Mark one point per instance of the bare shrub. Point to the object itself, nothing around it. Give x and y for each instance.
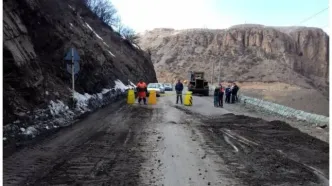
(105, 10)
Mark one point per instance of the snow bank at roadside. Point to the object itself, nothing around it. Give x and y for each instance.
(58, 114)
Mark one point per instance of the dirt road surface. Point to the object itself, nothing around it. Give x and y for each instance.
(171, 145)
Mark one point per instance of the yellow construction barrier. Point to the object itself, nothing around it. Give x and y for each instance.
(131, 97)
(152, 97)
(188, 99)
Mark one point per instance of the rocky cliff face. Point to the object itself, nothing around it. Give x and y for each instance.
(37, 35)
(295, 55)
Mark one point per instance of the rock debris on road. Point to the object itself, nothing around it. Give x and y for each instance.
(168, 144)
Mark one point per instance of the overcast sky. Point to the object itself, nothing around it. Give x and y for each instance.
(144, 15)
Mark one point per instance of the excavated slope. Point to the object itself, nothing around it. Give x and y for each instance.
(37, 35)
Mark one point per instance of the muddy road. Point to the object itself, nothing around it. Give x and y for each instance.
(171, 145)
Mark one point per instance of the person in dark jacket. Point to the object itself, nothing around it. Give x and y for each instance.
(216, 96)
(228, 94)
(237, 88)
(234, 92)
(221, 96)
(179, 89)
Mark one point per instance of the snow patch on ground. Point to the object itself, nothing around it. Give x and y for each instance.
(30, 131)
(100, 95)
(136, 46)
(120, 85)
(106, 44)
(132, 84)
(104, 91)
(82, 101)
(58, 114)
(71, 8)
(57, 108)
(93, 31)
(111, 53)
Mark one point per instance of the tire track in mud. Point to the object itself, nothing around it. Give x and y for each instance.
(112, 157)
(265, 153)
(105, 151)
(35, 160)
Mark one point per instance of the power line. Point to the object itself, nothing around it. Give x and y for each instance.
(307, 19)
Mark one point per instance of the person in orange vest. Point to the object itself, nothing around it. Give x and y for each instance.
(141, 91)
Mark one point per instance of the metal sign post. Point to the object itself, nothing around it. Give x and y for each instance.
(72, 72)
(73, 66)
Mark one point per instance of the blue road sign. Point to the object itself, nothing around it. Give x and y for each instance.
(76, 67)
(68, 60)
(68, 55)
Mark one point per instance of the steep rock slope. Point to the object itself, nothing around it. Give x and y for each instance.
(38, 33)
(256, 53)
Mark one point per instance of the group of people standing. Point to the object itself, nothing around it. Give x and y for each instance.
(230, 93)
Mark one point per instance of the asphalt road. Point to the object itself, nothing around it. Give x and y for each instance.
(171, 145)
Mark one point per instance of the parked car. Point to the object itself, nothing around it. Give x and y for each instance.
(168, 87)
(154, 86)
(162, 88)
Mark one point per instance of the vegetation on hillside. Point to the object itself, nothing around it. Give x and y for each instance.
(107, 13)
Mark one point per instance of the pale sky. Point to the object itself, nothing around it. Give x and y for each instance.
(144, 15)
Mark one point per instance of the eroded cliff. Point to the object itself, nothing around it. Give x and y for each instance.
(37, 35)
(295, 55)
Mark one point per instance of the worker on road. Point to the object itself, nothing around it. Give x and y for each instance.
(234, 89)
(228, 94)
(221, 96)
(141, 91)
(216, 96)
(179, 89)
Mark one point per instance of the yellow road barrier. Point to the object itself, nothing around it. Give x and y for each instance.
(152, 97)
(188, 99)
(131, 97)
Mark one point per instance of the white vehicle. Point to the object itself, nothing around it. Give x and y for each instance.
(155, 87)
(162, 88)
(168, 87)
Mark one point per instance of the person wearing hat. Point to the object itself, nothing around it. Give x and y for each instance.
(141, 91)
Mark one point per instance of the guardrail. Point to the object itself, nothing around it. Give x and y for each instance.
(284, 111)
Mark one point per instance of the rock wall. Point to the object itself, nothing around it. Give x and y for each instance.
(37, 35)
(295, 55)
